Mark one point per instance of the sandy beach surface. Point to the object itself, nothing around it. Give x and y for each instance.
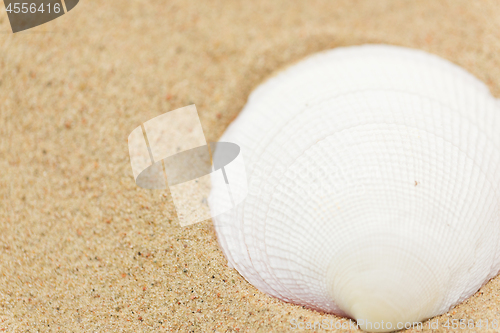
(83, 249)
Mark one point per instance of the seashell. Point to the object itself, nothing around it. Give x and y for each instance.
(374, 186)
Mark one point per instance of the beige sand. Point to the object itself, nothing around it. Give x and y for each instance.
(83, 248)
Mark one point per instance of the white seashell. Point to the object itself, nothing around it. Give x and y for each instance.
(374, 185)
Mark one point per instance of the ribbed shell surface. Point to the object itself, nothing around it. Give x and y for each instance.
(374, 178)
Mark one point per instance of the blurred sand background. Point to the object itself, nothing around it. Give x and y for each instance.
(82, 247)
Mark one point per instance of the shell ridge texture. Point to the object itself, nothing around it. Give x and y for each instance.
(373, 185)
